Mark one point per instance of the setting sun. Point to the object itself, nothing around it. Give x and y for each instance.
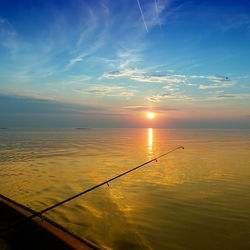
(150, 115)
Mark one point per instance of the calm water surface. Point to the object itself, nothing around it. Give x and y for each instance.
(198, 198)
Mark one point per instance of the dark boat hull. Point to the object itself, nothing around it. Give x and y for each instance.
(36, 233)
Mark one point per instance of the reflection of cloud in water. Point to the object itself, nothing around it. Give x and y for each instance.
(119, 215)
(104, 217)
(97, 213)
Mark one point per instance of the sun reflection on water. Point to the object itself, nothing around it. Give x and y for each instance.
(150, 141)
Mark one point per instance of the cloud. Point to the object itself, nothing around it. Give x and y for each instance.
(153, 11)
(212, 77)
(87, 28)
(170, 88)
(130, 72)
(191, 84)
(77, 78)
(235, 21)
(245, 86)
(127, 57)
(148, 108)
(209, 86)
(91, 50)
(231, 96)
(155, 98)
(157, 12)
(158, 77)
(7, 34)
(135, 108)
(101, 89)
(14, 104)
(143, 76)
(158, 98)
(9, 37)
(73, 61)
(225, 96)
(91, 33)
(107, 91)
(214, 86)
(124, 58)
(139, 5)
(150, 12)
(26, 94)
(220, 81)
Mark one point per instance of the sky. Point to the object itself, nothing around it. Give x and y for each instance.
(104, 63)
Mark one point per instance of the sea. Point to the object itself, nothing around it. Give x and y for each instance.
(196, 198)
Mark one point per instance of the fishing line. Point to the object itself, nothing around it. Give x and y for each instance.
(84, 192)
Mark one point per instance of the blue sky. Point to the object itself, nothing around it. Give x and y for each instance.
(106, 63)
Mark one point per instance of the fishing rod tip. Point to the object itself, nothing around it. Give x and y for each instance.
(181, 147)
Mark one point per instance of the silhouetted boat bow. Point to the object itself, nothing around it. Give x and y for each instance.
(38, 233)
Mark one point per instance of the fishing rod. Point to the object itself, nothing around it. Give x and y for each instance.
(84, 192)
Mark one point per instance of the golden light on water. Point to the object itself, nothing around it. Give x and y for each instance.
(150, 140)
(60, 163)
(150, 115)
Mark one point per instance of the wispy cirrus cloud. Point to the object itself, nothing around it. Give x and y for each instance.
(216, 77)
(158, 77)
(75, 60)
(209, 86)
(152, 14)
(87, 29)
(143, 76)
(158, 98)
(148, 108)
(223, 84)
(91, 33)
(108, 91)
(153, 10)
(91, 50)
(127, 57)
(170, 88)
(213, 78)
(128, 72)
(157, 13)
(143, 19)
(233, 21)
(9, 37)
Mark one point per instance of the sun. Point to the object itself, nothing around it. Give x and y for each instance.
(150, 115)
